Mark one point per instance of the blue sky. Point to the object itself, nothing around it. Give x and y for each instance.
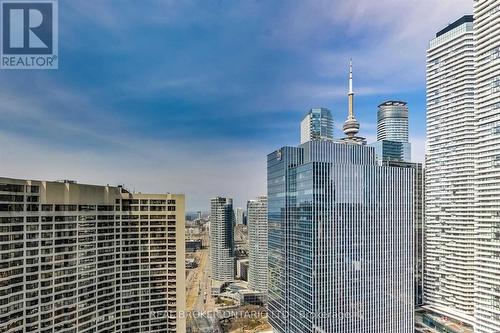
(190, 96)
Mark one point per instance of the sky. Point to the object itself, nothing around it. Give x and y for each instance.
(190, 96)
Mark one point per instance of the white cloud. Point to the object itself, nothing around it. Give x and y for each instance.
(389, 37)
(202, 170)
(146, 166)
(389, 53)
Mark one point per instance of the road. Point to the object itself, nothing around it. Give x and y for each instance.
(198, 285)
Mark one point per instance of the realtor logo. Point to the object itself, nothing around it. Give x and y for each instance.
(29, 34)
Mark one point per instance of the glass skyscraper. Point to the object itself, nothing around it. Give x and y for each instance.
(418, 213)
(392, 132)
(341, 243)
(317, 125)
(392, 121)
(387, 150)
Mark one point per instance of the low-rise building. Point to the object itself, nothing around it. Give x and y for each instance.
(193, 245)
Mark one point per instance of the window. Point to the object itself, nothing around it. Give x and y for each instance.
(103, 208)
(495, 53)
(65, 208)
(32, 208)
(11, 198)
(11, 208)
(32, 189)
(86, 208)
(495, 85)
(32, 198)
(11, 188)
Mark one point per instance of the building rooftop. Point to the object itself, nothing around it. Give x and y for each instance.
(457, 23)
(388, 103)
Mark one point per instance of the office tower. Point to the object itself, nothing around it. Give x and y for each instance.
(449, 182)
(392, 121)
(392, 148)
(351, 125)
(86, 258)
(199, 215)
(240, 215)
(340, 241)
(222, 259)
(419, 214)
(487, 158)
(392, 132)
(316, 125)
(257, 243)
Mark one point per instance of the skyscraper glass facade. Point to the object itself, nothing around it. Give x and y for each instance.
(340, 241)
(418, 213)
(392, 121)
(392, 150)
(317, 125)
(392, 132)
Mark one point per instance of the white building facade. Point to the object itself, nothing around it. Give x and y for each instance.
(449, 225)
(487, 157)
(257, 243)
(222, 258)
(462, 279)
(240, 215)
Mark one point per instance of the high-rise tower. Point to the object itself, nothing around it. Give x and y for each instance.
(487, 166)
(392, 132)
(257, 243)
(86, 258)
(239, 214)
(222, 259)
(316, 125)
(392, 121)
(340, 238)
(462, 280)
(449, 223)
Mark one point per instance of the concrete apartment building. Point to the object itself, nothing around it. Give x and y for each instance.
(449, 225)
(257, 243)
(222, 258)
(86, 258)
(462, 269)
